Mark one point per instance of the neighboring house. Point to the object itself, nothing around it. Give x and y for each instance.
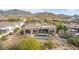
(7, 27)
(39, 30)
(74, 28)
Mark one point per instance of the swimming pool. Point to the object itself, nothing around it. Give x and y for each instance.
(41, 36)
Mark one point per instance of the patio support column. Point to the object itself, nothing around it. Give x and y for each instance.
(31, 31)
(24, 32)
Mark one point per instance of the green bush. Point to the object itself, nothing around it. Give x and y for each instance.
(60, 26)
(66, 34)
(13, 19)
(29, 43)
(74, 40)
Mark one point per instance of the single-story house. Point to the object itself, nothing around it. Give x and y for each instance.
(9, 26)
(73, 27)
(38, 30)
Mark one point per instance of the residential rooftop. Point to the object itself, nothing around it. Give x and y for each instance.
(72, 25)
(5, 24)
(38, 25)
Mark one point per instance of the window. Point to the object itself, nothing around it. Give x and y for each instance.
(34, 31)
(43, 30)
(51, 31)
(22, 32)
(78, 30)
(27, 31)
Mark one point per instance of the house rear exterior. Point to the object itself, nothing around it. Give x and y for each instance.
(38, 30)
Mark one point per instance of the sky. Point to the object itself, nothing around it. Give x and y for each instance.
(56, 11)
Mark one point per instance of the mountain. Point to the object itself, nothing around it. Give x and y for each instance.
(38, 15)
(15, 12)
(46, 15)
(1, 12)
(64, 16)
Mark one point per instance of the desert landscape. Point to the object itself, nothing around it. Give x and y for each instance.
(25, 30)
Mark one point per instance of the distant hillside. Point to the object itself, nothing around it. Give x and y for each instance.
(64, 16)
(15, 12)
(46, 15)
(38, 15)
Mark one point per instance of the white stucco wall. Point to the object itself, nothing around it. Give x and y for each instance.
(10, 29)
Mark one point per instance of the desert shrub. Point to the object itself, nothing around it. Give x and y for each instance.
(3, 38)
(74, 40)
(16, 29)
(13, 19)
(66, 34)
(48, 44)
(28, 43)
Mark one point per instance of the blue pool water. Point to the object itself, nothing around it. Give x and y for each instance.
(41, 36)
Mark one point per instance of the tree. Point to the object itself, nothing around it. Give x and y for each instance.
(65, 28)
(29, 43)
(59, 26)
